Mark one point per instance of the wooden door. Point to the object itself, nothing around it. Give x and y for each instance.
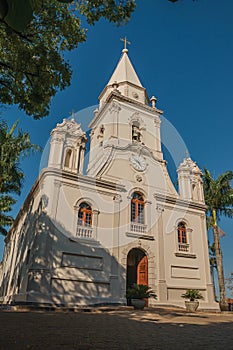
(142, 271)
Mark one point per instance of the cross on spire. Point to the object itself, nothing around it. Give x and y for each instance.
(72, 113)
(187, 153)
(125, 41)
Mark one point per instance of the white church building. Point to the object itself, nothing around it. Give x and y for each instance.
(82, 238)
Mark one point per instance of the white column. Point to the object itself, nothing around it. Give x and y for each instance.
(148, 215)
(184, 185)
(114, 110)
(75, 160)
(162, 286)
(55, 198)
(95, 214)
(56, 151)
(157, 123)
(13, 254)
(81, 161)
(115, 271)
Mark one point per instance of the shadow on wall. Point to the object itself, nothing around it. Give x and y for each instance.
(49, 266)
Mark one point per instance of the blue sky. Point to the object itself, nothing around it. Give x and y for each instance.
(183, 54)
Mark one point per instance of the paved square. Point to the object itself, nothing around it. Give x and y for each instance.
(116, 329)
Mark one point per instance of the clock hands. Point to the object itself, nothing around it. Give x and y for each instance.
(138, 162)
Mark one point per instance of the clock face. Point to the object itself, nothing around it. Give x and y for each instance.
(139, 163)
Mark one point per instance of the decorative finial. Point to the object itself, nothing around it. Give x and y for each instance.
(153, 101)
(115, 85)
(125, 41)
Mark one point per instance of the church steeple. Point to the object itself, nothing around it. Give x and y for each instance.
(124, 72)
(125, 80)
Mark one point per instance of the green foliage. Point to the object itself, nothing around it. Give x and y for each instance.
(218, 194)
(219, 199)
(10, 10)
(18, 13)
(192, 295)
(230, 283)
(13, 146)
(212, 255)
(32, 63)
(117, 11)
(6, 203)
(32, 67)
(140, 291)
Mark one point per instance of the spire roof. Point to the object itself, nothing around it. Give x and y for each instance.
(124, 71)
(125, 81)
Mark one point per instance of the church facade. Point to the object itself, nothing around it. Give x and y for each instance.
(83, 239)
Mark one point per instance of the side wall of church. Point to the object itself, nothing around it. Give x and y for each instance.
(19, 244)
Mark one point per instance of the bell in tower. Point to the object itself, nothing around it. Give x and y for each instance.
(136, 134)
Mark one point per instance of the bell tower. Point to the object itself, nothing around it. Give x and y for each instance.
(126, 120)
(67, 147)
(190, 181)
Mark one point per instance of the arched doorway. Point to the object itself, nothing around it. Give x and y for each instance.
(137, 268)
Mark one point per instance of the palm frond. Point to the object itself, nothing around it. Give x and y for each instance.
(14, 144)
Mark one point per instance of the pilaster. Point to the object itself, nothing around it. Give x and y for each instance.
(115, 271)
(114, 111)
(95, 215)
(55, 199)
(162, 286)
(148, 211)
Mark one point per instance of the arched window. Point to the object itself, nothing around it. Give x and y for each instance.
(137, 208)
(182, 233)
(85, 215)
(67, 158)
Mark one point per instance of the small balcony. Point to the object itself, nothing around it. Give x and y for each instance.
(138, 228)
(183, 247)
(84, 232)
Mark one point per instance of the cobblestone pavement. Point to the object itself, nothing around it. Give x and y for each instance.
(115, 329)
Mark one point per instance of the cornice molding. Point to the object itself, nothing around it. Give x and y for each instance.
(114, 95)
(82, 179)
(78, 178)
(135, 147)
(180, 202)
(186, 255)
(107, 87)
(140, 236)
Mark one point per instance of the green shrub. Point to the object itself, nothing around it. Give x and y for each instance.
(140, 291)
(192, 295)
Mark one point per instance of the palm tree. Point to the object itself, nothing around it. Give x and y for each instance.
(12, 149)
(230, 282)
(213, 266)
(219, 199)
